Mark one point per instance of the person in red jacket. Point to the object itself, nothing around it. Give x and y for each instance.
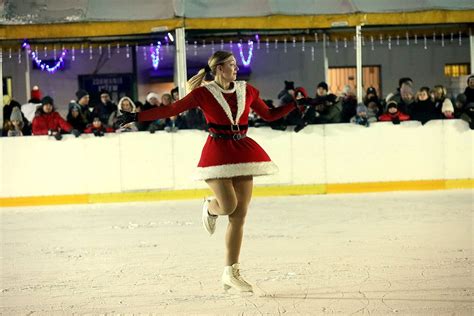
(229, 159)
(393, 114)
(97, 127)
(48, 122)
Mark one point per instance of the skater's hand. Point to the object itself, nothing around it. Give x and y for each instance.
(126, 118)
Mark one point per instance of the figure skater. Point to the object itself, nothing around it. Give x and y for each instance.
(229, 159)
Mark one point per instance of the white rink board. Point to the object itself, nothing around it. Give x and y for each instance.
(319, 154)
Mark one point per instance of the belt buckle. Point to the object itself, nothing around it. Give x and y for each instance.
(234, 128)
(237, 136)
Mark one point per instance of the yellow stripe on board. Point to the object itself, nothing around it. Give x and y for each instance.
(259, 191)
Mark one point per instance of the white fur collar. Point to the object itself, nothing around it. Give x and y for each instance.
(239, 88)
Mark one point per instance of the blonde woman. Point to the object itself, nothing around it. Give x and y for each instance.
(229, 159)
(442, 103)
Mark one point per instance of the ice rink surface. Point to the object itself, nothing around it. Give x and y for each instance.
(397, 253)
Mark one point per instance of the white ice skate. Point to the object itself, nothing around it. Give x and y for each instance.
(231, 279)
(208, 220)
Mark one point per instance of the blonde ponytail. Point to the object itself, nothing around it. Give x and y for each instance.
(196, 80)
(217, 58)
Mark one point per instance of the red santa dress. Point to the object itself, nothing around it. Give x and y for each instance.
(227, 152)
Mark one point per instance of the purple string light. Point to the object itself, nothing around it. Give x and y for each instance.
(42, 65)
(247, 61)
(155, 55)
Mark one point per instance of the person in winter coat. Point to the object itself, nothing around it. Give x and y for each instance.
(125, 105)
(468, 114)
(15, 125)
(97, 127)
(404, 95)
(48, 122)
(362, 116)
(393, 114)
(424, 109)
(443, 104)
(295, 116)
(469, 91)
(75, 117)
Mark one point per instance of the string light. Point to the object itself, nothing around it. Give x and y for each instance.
(363, 40)
(90, 52)
(73, 53)
(118, 48)
(212, 46)
(381, 39)
(247, 61)
(312, 53)
(145, 58)
(276, 43)
(316, 37)
(302, 43)
(204, 43)
(434, 37)
(336, 43)
(345, 42)
(195, 48)
(452, 37)
(460, 38)
(442, 39)
(398, 40)
(82, 49)
(267, 45)
(109, 51)
(372, 47)
(285, 45)
(390, 42)
(155, 55)
(187, 45)
(10, 53)
(55, 52)
(222, 44)
(39, 62)
(45, 51)
(100, 50)
(294, 41)
(408, 39)
(425, 41)
(231, 45)
(127, 50)
(257, 38)
(416, 39)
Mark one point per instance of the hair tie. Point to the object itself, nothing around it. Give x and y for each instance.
(207, 68)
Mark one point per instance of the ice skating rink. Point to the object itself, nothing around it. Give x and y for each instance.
(399, 253)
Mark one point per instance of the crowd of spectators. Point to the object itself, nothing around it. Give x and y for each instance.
(98, 117)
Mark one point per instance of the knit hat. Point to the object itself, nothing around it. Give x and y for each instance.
(151, 95)
(289, 85)
(302, 90)
(47, 100)
(392, 104)
(36, 93)
(74, 106)
(16, 115)
(361, 108)
(323, 85)
(371, 90)
(81, 93)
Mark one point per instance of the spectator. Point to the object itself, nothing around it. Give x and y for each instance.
(468, 114)
(48, 122)
(15, 125)
(404, 96)
(424, 109)
(83, 100)
(8, 108)
(175, 94)
(374, 110)
(29, 109)
(348, 104)
(443, 105)
(461, 101)
(288, 93)
(295, 116)
(125, 105)
(102, 108)
(75, 117)
(362, 116)
(97, 127)
(469, 91)
(152, 100)
(393, 114)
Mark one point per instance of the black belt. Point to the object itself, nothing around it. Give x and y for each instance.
(227, 136)
(230, 127)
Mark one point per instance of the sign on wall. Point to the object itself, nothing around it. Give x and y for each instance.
(118, 85)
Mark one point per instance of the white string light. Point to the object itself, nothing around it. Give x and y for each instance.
(434, 37)
(460, 38)
(82, 48)
(195, 48)
(118, 48)
(127, 50)
(90, 52)
(109, 51)
(425, 41)
(381, 39)
(100, 50)
(303, 40)
(336, 44)
(212, 46)
(416, 39)
(390, 42)
(19, 55)
(203, 43)
(316, 38)
(452, 37)
(222, 44)
(363, 40)
(312, 53)
(10, 53)
(145, 58)
(45, 50)
(398, 40)
(442, 39)
(257, 38)
(73, 53)
(267, 45)
(155, 55)
(408, 39)
(276, 43)
(55, 52)
(285, 45)
(247, 61)
(372, 46)
(345, 42)
(294, 42)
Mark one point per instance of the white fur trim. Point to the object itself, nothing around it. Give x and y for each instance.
(235, 170)
(240, 90)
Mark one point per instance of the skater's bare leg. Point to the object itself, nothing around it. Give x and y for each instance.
(235, 229)
(226, 199)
